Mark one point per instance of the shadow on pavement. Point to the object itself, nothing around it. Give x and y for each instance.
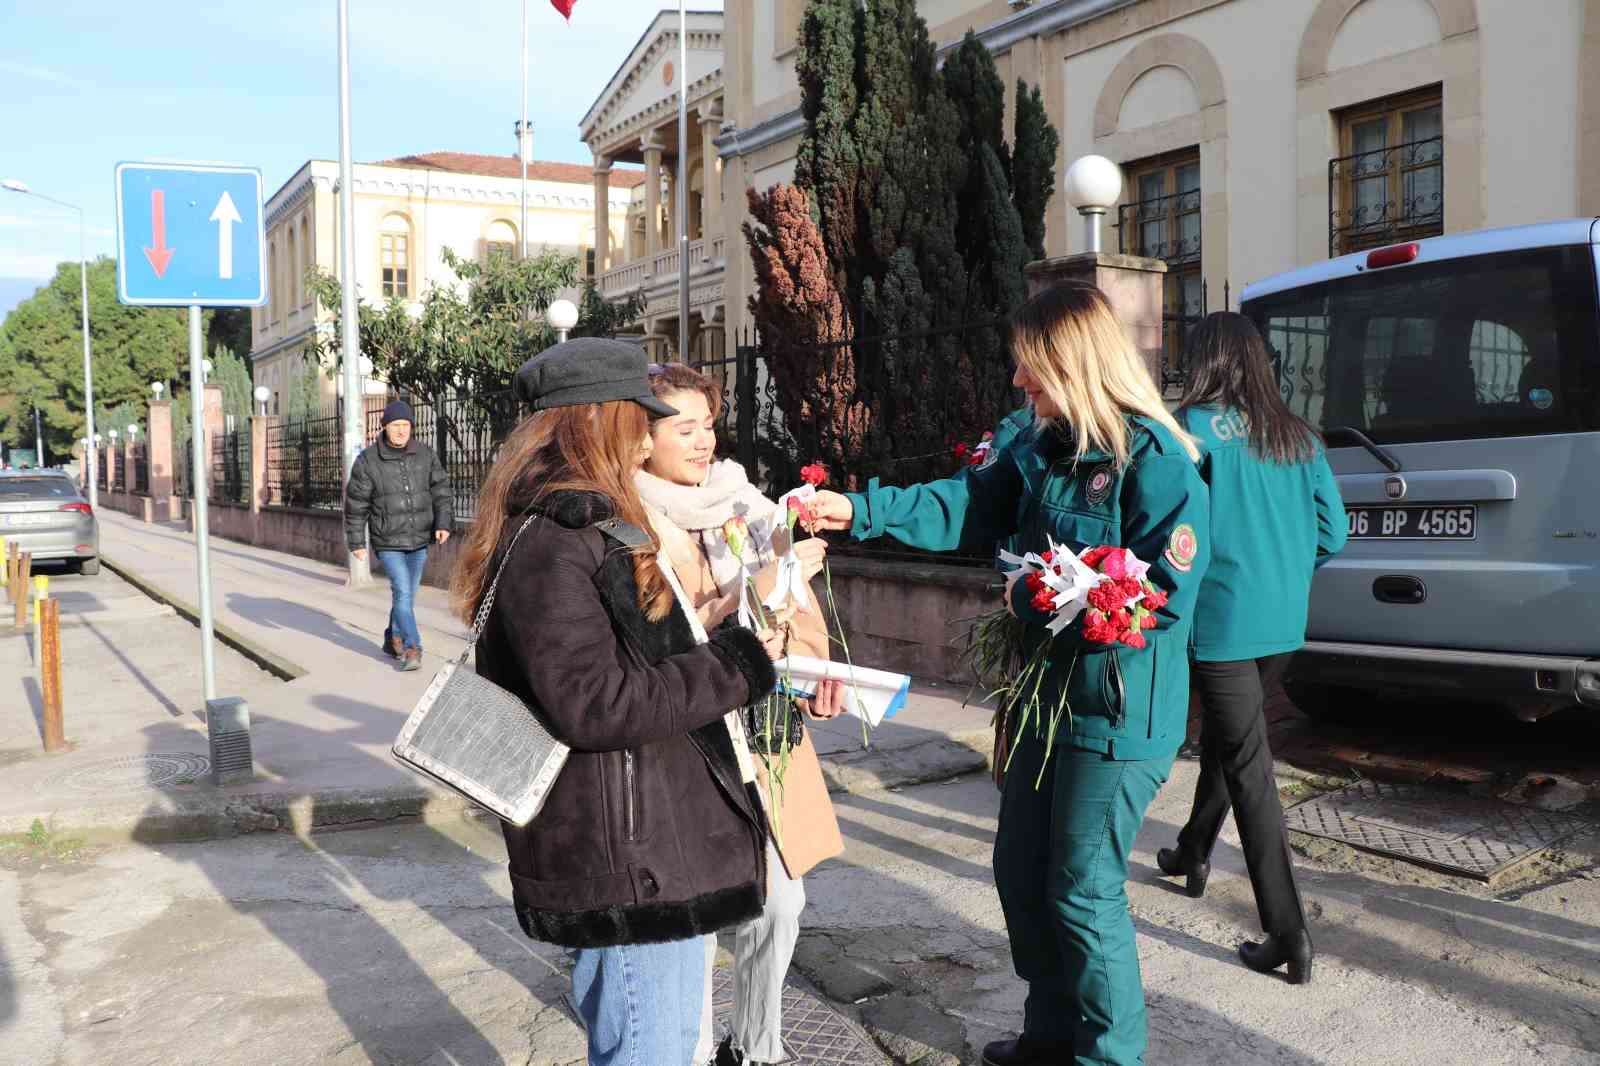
(150, 686)
(272, 612)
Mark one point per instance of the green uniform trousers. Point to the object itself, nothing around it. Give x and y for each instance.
(1061, 866)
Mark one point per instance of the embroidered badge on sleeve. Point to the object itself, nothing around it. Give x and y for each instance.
(1182, 547)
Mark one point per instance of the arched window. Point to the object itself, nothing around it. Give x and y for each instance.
(273, 296)
(500, 240)
(305, 259)
(394, 257)
(292, 289)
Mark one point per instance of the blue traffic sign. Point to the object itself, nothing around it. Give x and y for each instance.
(190, 233)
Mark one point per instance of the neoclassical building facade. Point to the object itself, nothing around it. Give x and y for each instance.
(407, 211)
(634, 122)
(1254, 135)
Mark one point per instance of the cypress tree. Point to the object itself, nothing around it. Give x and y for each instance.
(826, 162)
(1033, 165)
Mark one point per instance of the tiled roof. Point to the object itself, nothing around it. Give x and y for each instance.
(507, 166)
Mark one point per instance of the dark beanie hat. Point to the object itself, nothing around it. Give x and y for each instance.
(396, 411)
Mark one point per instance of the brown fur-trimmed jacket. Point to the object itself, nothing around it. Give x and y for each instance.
(648, 834)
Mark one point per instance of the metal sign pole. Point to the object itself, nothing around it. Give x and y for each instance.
(202, 530)
(683, 184)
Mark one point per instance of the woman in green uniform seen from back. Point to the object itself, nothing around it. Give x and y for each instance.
(1106, 464)
(1276, 516)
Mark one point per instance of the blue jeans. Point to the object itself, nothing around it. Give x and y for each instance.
(640, 1003)
(405, 577)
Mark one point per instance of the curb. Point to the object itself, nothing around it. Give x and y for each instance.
(274, 664)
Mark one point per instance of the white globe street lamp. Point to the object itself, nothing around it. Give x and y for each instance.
(562, 316)
(205, 368)
(158, 388)
(1093, 184)
(113, 437)
(262, 395)
(133, 431)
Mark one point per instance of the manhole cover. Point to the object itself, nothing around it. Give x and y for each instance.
(1444, 830)
(814, 1033)
(133, 773)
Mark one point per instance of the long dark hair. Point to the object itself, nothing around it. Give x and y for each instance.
(1227, 365)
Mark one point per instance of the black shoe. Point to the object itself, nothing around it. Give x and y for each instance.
(728, 1055)
(1278, 948)
(1173, 864)
(1027, 1051)
(391, 645)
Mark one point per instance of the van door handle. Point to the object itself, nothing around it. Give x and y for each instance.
(1400, 589)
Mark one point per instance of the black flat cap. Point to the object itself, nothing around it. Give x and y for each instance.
(587, 370)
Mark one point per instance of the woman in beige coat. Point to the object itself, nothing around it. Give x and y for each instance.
(691, 496)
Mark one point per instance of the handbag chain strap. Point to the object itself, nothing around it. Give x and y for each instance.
(487, 605)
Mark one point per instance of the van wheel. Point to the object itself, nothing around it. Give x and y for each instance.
(1330, 703)
(88, 567)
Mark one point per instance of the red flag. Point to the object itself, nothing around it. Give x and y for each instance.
(565, 7)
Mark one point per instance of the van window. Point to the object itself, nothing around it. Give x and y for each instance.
(1491, 346)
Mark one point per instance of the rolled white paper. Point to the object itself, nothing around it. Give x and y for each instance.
(870, 694)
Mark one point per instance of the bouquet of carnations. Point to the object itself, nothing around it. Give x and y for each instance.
(1106, 590)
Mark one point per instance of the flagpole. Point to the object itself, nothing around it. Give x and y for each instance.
(683, 183)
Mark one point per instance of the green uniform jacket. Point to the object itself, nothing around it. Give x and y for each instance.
(1014, 425)
(1126, 703)
(1272, 525)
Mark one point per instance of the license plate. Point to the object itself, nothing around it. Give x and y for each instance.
(16, 520)
(1413, 523)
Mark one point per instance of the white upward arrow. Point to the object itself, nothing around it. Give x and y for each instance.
(225, 215)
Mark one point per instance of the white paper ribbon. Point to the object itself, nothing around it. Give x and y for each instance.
(790, 585)
(1071, 588)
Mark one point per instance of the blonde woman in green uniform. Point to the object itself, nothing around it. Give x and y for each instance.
(1107, 464)
(1276, 517)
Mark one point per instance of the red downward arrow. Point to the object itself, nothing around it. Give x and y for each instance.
(160, 255)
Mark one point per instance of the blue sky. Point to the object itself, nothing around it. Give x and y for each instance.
(85, 84)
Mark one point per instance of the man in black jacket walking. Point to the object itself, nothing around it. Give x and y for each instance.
(398, 489)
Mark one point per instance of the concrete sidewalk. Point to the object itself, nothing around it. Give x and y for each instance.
(321, 737)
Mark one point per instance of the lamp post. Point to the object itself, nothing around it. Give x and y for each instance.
(205, 369)
(562, 316)
(13, 185)
(1093, 184)
(262, 395)
(349, 324)
(38, 439)
(524, 138)
(157, 388)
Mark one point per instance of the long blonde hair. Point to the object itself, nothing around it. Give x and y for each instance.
(1070, 341)
(584, 448)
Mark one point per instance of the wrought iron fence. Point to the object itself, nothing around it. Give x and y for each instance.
(892, 407)
(100, 475)
(119, 468)
(305, 463)
(141, 468)
(182, 468)
(465, 432)
(1385, 196)
(230, 467)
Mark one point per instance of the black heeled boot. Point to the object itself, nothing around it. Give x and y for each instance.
(1194, 872)
(1027, 1051)
(1279, 948)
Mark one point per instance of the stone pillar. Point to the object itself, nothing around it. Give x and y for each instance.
(259, 490)
(602, 216)
(669, 239)
(160, 422)
(1132, 283)
(652, 194)
(710, 177)
(212, 412)
(127, 465)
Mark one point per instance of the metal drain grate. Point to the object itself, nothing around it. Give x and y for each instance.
(1433, 827)
(132, 773)
(814, 1034)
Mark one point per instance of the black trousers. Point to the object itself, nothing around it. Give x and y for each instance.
(1236, 768)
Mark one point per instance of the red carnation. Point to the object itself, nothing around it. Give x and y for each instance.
(1154, 599)
(960, 450)
(1048, 556)
(988, 435)
(1147, 621)
(1107, 597)
(1094, 556)
(1097, 628)
(1132, 638)
(1035, 580)
(1044, 601)
(1122, 619)
(1132, 588)
(814, 474)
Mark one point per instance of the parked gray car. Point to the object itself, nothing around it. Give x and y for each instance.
(44, 514)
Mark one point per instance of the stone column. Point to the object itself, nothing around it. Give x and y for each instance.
(602, 216)
(161, 456)
(669, 239)
(710, 177)
(652, 194)
(212, 413)
(259, 493)
(1132, 283)
(127, 465)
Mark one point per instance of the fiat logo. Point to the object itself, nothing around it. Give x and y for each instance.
(1394, 487)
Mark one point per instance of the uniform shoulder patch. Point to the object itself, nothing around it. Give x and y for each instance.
(1182, 547)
